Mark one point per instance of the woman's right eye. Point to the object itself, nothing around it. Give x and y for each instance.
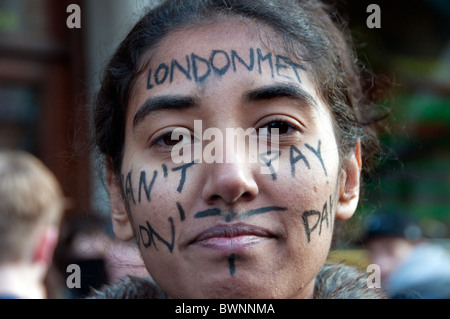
(169, 140)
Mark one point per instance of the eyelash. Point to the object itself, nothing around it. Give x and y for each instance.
(294, 128)
(159, 141)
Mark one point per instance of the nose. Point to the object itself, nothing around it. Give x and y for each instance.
(230, 183)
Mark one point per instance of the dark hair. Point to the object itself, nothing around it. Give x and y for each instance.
(309, 32)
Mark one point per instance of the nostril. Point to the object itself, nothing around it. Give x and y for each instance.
(215, 197)
(246, 195)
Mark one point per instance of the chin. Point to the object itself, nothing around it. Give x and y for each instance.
(237, 287)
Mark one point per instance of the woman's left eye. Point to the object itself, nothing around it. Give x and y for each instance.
(282, 126)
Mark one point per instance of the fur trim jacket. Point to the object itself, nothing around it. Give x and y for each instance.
(334, 281)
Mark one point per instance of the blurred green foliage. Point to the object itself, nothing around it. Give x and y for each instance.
(410, 57)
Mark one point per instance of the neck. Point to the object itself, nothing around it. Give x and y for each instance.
(22, 280)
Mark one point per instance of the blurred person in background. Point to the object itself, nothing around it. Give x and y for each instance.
(411, 266)
(102, 258)
(31, 207)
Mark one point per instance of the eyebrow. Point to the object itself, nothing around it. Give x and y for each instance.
(163, 103)
(183, 102)
(280, 90)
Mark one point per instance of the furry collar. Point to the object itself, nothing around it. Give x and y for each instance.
(334, 281)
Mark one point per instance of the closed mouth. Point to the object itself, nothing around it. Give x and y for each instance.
(231, 237)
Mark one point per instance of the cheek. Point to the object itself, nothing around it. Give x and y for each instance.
(306, 174)
(153, 195)
(306, 183)
(309, 222)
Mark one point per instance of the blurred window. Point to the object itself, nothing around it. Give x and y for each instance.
(18, 117)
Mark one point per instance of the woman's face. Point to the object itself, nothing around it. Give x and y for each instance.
(224, 223)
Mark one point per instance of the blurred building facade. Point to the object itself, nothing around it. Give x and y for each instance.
(42, 90)
(48, 76)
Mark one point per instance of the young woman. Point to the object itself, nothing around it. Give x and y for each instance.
(219, 224)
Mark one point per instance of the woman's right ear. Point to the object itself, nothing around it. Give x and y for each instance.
(120, 219)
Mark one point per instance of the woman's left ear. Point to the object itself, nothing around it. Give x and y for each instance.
(349, 184)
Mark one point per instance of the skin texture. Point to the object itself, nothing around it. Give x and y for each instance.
(284, 261)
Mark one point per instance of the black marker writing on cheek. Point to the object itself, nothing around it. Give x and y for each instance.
(268, 158)
(331, 213)
(183, 174)
(296, 155)
(147, 236)
(181, 211)
(318, 154)
(164, 167)
(143, 184)
(306, 217)
(127, 187)
(321, 217)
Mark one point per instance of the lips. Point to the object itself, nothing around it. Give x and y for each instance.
(231, 238)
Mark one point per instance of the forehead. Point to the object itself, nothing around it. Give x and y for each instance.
(225, 55)
(224, 32)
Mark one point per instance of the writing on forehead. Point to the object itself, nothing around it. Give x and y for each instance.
(198, 68)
